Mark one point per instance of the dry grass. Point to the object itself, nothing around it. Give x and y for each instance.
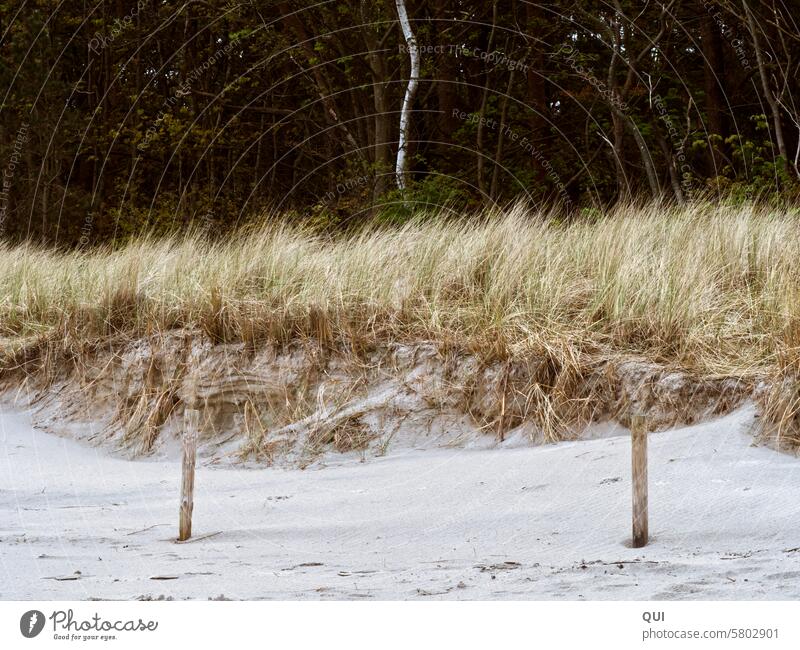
(714, 290)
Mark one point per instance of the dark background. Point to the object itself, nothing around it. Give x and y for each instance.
(119, 117)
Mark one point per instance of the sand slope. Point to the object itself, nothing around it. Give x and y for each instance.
(519, 522)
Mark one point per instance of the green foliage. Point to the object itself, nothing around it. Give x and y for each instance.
(755, 171)
(434, 194)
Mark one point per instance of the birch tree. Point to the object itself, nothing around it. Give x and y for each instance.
(401, 168)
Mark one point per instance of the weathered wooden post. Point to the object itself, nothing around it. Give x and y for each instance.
(191, 421)
(639, 480)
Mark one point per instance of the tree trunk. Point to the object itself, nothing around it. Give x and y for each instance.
(536, 90)
(672, 168)
(401, 168)
(713, 79)
(498, 154)
(446, 86)
(480, 159)
(382, 128)
(623, 187)
(647, 159)
(768, 94)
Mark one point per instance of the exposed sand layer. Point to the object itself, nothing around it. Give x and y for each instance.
(510, 522)
(289, 405)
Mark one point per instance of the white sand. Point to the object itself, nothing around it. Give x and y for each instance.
(517, 522)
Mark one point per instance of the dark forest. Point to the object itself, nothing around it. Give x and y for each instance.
(124, 117)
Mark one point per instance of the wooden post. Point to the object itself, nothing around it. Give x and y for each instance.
(639, 480)
(191, 418)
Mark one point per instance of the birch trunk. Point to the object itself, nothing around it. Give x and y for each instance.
(401, 168)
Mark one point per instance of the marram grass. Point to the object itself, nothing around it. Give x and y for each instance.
(708, 288)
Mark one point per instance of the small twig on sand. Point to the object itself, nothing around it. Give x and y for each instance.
(198, 538)
(144, 529)
(601, 563)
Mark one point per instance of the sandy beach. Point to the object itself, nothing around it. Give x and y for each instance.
(520, 522)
